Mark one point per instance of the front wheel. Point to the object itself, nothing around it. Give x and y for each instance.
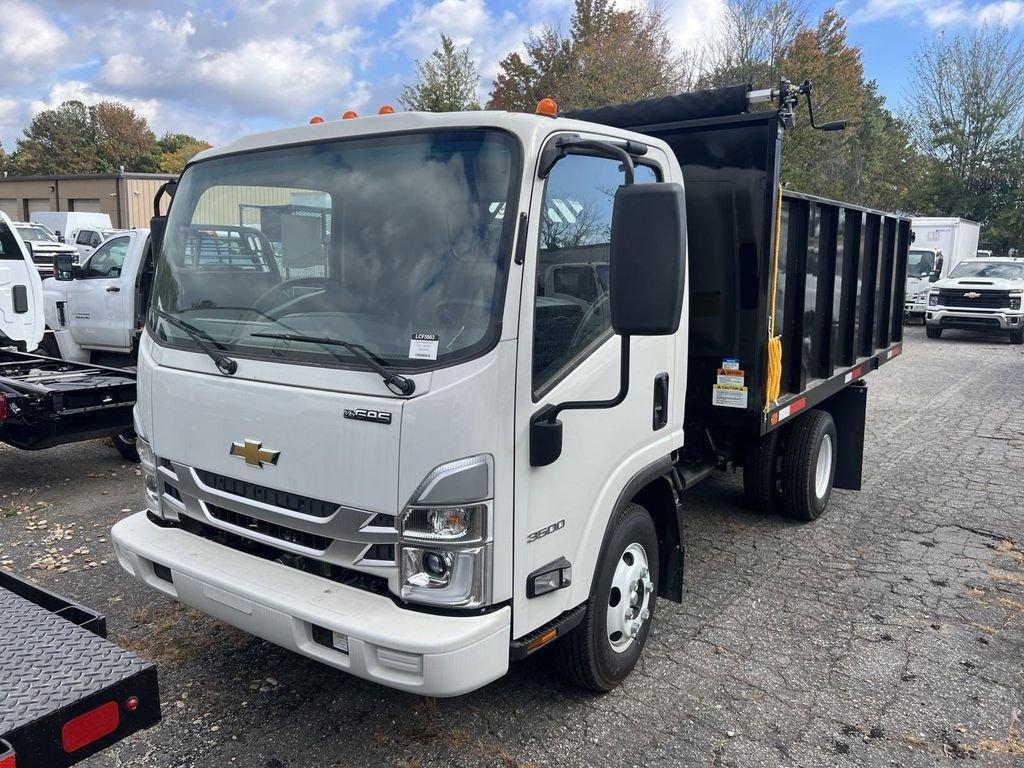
(810, 465)
(932, 332)
(602, 651)
(125, 443)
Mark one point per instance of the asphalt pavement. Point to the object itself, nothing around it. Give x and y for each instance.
(888, 633)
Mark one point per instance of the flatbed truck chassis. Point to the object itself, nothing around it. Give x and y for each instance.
(66, 692)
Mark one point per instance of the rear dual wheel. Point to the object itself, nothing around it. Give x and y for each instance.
(792, 469)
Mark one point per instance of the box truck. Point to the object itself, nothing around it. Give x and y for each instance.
(939, 244)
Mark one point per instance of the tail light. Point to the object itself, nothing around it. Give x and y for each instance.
(5, 412)
(91, 726)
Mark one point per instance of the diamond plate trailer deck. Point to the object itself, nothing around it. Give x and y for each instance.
(66, 692)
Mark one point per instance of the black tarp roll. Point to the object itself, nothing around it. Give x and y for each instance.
(694, 105)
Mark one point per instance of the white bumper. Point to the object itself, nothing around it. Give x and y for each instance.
(417, 652)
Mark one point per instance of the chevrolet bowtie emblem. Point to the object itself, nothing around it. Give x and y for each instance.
(253, 453)
(972, 295)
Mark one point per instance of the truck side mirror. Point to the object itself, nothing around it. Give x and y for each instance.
(647, 259)
(31, 251)
(63, 267)
(157, 228)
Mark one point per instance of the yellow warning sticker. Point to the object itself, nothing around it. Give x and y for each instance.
(730, 377)
(728, 396)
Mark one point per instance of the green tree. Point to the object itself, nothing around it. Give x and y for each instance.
(968, 110)
(176, 149)
(446, 82)
(609, 55)
(60, 140)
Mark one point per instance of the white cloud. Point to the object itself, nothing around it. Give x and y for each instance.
(943, 15)
(30, 42)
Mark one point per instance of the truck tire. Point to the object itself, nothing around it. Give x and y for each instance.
(48, 347)
(809, 467)
(124, 442)
(932, 332)
(1017, 336)
(762, 488)
(604, 648)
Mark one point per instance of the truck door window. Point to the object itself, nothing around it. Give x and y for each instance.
(84, 237)
(8, 245)
(108, 260)
(571, 311)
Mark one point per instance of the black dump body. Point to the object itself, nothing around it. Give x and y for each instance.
(65, 691)
(840, 284)
(48, 402)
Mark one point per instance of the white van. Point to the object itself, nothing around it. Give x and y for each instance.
(21, 292)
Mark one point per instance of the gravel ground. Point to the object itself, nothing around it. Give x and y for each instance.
(889, 633)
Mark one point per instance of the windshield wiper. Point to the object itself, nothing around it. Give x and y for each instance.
(396, 382)
(205, 341)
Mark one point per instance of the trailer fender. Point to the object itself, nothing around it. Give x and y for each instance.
(848, 408)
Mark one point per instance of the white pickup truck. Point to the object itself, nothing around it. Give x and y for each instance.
(100, 307)
(979, 295)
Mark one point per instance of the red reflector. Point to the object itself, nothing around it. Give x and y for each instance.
(6, 756)
(94, 724)
(797, 405)
(4, 413)
(132, 703)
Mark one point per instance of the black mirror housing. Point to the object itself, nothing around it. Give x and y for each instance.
(647, 261)
(157, 227)
(30, 249)
(64, 267)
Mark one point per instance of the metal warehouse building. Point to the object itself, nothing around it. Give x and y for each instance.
(126, 197)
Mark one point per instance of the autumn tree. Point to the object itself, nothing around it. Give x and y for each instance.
(122, 136)
(611, 54)
(173, 150)
(446, 82)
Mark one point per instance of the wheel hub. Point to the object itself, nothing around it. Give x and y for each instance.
(629, 598)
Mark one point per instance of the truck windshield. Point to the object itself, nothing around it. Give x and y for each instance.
(1000, 270)
(36, 234)
(399, 244)
(920, 263)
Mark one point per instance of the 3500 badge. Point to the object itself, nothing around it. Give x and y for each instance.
(545, 531)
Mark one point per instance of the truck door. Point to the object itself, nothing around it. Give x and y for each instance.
(21, 294)
(100, 301)
(567, 351)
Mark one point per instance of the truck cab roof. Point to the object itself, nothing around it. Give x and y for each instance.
(529, 129)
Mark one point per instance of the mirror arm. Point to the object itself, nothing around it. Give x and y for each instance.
(552, 153)
(546, 429)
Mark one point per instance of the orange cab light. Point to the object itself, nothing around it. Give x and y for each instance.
(387, 109)
(315, 120)
(547, 107)
(349, 114)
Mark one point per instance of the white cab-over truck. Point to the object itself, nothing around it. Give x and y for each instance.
(939, 243)
(407, 453)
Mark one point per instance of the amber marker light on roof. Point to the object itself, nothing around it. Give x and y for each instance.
(547, 107)
(350, 115)
(315, 120)
(387, 109)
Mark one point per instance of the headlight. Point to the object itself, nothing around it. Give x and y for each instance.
(445, 536)
(933, 299)
(1015, 302)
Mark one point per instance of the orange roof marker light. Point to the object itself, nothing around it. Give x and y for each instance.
(350, 114)
(315, 120)
(387, 109)
(547, 107)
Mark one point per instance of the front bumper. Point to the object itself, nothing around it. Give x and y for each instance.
(413, 651)
(979, 320)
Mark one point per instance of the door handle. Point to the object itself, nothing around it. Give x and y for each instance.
(113, 289)
(660, 401)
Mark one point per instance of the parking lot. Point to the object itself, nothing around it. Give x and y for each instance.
(890, 632)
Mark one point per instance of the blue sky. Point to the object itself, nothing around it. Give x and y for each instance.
(225, 68)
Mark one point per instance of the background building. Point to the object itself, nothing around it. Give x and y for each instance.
(126, 197)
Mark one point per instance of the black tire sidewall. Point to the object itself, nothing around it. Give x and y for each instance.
(633, 526)
(801, 463)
